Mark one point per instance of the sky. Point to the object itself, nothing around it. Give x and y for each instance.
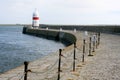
(80, 12)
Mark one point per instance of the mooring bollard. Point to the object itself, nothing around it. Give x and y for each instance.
(90, 47)
(74, 57)
(83, 50)
(60, 29)
(75, 30)
(25, 70)
(46, 28)
(59, 64)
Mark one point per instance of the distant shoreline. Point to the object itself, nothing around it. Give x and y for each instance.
(12, 24)
(61, 25)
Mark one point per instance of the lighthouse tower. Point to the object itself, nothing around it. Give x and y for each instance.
(35, 22)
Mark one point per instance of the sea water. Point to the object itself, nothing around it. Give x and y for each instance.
(15, 47)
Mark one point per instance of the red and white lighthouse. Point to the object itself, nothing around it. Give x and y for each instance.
(35, 22)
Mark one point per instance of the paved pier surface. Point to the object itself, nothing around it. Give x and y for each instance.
(103, 65)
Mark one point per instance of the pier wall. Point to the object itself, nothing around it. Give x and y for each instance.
(64, 37)
(93, 28)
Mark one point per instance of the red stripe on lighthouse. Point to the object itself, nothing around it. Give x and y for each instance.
(35, 18)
